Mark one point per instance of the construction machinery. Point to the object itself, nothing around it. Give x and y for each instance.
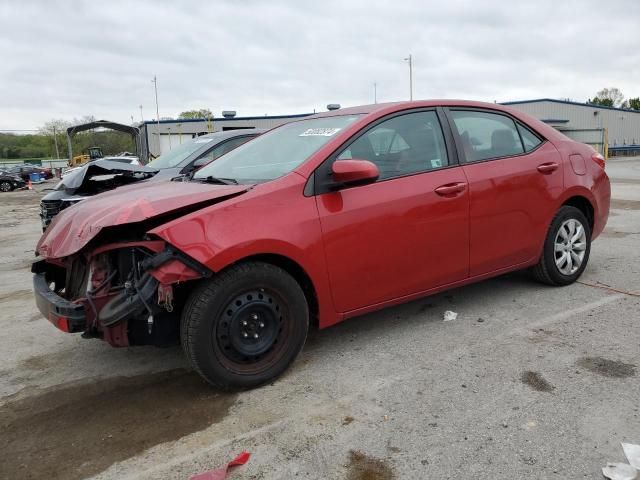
(89, 155)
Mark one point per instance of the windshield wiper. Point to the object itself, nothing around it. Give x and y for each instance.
(218, 180)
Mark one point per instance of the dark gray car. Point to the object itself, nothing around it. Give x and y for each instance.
(102, 175)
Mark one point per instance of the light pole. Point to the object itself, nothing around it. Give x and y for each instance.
(375, 92)
(55, 140)
(410, 60)
(141, 116)
(155, 85)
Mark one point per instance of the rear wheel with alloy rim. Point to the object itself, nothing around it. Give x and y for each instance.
(570, 246)
(5, 186)
(245, 326)
(566, 248)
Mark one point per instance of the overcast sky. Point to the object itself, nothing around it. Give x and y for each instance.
(66, 59)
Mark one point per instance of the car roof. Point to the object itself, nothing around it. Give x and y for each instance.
(390, 106)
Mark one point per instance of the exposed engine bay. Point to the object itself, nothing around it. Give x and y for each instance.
(123, 293)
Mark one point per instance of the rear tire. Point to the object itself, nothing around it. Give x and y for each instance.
(6, 187)
(245, 326)
(566, 248)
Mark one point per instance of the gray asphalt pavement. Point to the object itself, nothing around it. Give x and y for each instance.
(528, 382)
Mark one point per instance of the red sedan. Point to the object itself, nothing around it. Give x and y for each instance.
(319, 220)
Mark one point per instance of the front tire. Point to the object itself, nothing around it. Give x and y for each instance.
(245, 326)
(6, 187)
(566, 248)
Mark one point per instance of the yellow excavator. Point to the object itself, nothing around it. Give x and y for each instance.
(90, 154)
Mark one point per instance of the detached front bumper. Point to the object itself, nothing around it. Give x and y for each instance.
(67, 316)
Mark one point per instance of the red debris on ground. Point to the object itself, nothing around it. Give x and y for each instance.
(221, 473)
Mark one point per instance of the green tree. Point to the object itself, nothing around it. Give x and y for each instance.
(608, 97)
(605, 102)
(55, 131)
(202, 113)
(634, 103)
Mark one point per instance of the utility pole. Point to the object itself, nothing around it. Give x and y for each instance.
(375, 92)
(141, 116)
(155, 85)
(55, 140)
(410, 60)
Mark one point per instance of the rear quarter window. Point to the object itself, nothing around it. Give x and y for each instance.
(529, 139)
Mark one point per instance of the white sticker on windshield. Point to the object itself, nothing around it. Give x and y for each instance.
(204, 140)
(320, 132)
(436, 163)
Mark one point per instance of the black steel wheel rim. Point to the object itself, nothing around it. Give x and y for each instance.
(251, 332)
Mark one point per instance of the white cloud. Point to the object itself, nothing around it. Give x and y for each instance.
(68, 59)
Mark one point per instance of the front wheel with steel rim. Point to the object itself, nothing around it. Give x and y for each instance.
(566, 248)
(245, 326)
(5, 187)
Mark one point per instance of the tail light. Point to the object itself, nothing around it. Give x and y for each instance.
(599, 159)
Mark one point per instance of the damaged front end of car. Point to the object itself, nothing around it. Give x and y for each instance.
(122, 293)
(101, 272)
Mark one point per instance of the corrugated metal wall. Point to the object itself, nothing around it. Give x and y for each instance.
(623, 127)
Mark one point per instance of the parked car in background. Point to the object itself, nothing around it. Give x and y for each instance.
(189, 156)
(111, 172)
(25, 170)
(9, 181)
(319, 220)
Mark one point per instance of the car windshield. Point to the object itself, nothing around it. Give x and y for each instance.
(176, 155)
(277, 152)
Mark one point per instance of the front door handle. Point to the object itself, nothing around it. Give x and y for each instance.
(547, 168)
(451, 189)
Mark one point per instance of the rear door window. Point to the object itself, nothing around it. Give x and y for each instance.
(485, 135)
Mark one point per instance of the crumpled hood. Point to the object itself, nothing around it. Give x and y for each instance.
(102, 167)
(75, 226)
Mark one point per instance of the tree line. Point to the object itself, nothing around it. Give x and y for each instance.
(613, 97)
(42, 144)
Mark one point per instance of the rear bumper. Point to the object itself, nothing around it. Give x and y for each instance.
(602, 194)
(67, 316)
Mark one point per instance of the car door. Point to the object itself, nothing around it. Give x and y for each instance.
(408, 231)
(514, 179)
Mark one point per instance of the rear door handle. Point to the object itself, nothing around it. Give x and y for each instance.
(451, 189)
(547, 168)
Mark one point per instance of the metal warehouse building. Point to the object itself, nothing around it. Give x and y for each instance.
(160, 137)
(615, 128)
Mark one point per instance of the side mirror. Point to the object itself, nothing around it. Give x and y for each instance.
(201, 162)
(348, 173)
